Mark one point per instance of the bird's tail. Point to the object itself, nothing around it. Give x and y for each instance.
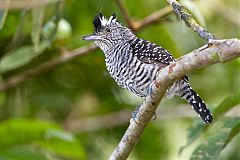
(197, 103)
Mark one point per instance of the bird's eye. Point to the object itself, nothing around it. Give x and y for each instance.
(108, 30)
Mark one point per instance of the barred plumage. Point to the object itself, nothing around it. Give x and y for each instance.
(134, 62)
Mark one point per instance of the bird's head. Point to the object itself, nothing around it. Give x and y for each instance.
(108, 32)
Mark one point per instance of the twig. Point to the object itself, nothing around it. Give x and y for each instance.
(190, 22)
(218, 51)
(63, 58)
(126, 15)
(98, 122)
(93, 123)
(152, 18)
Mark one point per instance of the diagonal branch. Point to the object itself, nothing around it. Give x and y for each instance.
(216, 51)
(63, 58)
(152, 18)
(190, 21)
(126, 14)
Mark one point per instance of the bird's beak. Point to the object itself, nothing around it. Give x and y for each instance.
(92, 37)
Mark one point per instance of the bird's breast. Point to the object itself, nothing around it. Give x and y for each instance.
(129, 72)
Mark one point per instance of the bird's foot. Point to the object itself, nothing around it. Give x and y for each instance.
(154, 116)
(135, 112)
(150, 89)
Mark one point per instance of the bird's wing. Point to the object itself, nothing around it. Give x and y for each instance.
(151, 53)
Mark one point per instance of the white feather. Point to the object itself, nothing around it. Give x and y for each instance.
(104, 21)
(111, 20)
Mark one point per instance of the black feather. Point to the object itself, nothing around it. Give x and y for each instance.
(114, 15)
(97, 22)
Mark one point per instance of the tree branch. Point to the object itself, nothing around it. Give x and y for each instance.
(63, 58)
(152, 18)
(189, 21)
(120, 118)
(216, 51)
(97, 122)
(126, 14)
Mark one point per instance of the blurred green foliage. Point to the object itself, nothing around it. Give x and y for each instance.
(37, 139)
(35, 116)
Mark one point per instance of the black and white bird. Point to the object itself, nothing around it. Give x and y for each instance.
(133, 62)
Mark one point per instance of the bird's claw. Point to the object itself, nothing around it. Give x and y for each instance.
(150, 89)
(154, 116)
(135, 112)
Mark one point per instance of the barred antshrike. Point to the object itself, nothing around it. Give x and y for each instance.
(134, 62)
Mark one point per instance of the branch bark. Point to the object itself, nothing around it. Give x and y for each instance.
(126, 14)
(216, 51)
(63, 58)
(148, 20)
(190, 21)
(152, 18)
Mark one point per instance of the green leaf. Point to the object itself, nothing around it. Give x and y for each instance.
(20, 131)
(198, 128)
(193, 133)
(159, 144)
(234, 132)
(39, 134)
(212, 146)
(227, 104)
(20, 57)
(21, 153)
(64, 144)
(3, 16)
(38, 17)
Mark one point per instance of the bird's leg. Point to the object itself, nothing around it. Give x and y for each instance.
(149, 91)
(134, 113)
(154, 116)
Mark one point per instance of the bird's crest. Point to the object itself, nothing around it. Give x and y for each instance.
(100, 21)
